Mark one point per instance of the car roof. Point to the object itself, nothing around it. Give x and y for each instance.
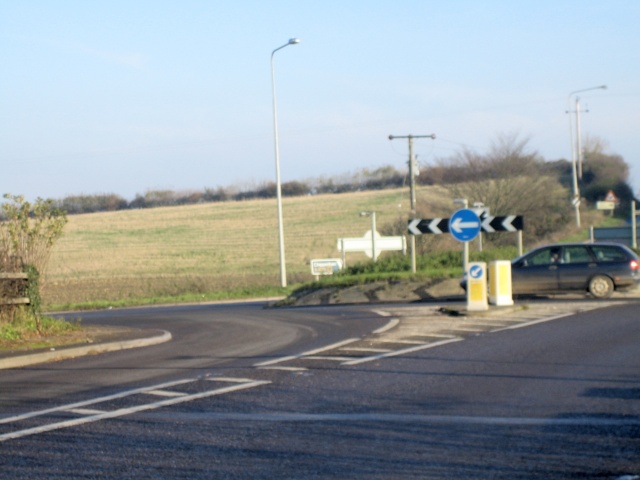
(583, 244)
(576, 244)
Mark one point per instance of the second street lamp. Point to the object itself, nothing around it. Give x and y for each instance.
(372, 214)
(283, 269)
(576, 153)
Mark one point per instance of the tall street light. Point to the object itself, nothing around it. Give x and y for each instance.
(283, 270)
(576, 148)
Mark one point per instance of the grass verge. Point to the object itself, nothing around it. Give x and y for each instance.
(183, 298)
(25, 333)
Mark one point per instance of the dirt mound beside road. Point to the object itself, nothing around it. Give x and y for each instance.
(379, 292)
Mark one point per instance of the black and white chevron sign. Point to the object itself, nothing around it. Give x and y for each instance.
(490, 224)
(509, 223)
(419, 226)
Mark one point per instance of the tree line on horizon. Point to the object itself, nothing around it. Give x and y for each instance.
(507, 158)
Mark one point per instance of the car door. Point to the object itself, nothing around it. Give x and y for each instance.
(576, 267)
(536, 272)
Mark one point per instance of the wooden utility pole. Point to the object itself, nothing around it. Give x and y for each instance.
(412, 187)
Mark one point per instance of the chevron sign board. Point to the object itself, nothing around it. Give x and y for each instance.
(509, 223)
(489, 224)
(436, 226)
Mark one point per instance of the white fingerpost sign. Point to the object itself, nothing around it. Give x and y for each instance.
(369, 242)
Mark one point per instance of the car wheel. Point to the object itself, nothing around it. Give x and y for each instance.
(601, 286)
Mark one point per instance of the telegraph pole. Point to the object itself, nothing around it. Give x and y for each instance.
(412, 189)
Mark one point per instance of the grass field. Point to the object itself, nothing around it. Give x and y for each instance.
(215, 247)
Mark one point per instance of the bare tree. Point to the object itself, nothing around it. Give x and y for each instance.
(510, 180)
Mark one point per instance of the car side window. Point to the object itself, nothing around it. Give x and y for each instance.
(606, 253)
(576, 254)
(543, 257)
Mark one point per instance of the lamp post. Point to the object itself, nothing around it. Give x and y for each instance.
(283, 270)
(373, 232)
(464, 203)
(576, 148)
(481, 209)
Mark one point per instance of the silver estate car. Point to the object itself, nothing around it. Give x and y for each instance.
(595, 268)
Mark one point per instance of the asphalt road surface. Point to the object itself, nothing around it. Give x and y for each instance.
(243, 392)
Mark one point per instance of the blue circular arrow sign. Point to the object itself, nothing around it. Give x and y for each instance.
(464, 225)
(475, 271)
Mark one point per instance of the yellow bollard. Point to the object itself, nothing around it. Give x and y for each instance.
(500, 283)
(477, 286)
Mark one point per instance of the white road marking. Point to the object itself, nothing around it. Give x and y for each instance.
(306, 354)
(494, 323)
(93, 401)
(128, 411)
(328, 357)
(229, 379)
(285, 368)
(406, 341)
(85, 411)
(364, 349)
(402, 352)
(533, 322)
(165, 393)
(391, 324)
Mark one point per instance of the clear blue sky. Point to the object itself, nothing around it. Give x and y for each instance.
(125, 96)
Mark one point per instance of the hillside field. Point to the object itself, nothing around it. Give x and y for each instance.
(213, 247)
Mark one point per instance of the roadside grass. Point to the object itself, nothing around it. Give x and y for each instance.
(184, 298)
(22, 332)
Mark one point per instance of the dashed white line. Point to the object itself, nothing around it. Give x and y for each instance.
(327, 357)
(533, 322)
(366, 349)
(165, 393)
(402, 352)
(284, 368)
(306, 354)
(128, 411)
(93, 401)
(85, 411)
